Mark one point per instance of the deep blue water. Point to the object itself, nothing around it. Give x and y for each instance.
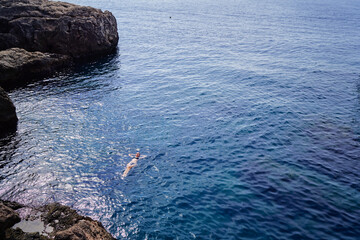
(248, 112)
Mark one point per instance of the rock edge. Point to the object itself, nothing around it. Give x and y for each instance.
(18, 66)
(57, 27)
(8, 118)
(65, 223)
(40, 37)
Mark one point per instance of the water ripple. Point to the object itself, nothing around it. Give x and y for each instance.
(248, 113)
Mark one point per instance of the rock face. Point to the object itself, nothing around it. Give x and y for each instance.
(40, 37)
(8, 118)
(84, 229)
(56, 27)
(18, 66)
(8, 217)
(66, 224)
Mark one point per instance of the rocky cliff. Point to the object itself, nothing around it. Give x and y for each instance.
(18, 66)
(56, 27)
(39, 38)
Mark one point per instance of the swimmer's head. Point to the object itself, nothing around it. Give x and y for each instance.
(137, 155)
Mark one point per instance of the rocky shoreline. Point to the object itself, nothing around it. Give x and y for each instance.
(57, 27)
(53, 221)
(19, 67)
(39, 38)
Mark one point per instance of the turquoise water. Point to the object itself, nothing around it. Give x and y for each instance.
(248, 112)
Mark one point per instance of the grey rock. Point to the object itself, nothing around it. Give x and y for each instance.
(18, 66)
(8, 217)
(12, 205)
(60, 217)
(66, 224)
(18, 234)
(57, 27)
(84, 229)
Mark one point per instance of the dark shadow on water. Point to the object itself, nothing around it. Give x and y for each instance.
(86, 76)
(8, 146)
(94, 75)
(10, 130)
(98, 66)
(82, 76)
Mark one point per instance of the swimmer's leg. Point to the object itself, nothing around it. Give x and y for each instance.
(126, 172)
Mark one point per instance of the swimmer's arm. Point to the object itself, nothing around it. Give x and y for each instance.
(133, 155)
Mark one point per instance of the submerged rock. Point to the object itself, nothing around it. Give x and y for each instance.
(53, 221)
(57, 27)
(8, 118)
(18, 66)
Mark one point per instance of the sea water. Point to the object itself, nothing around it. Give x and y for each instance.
(248, 113)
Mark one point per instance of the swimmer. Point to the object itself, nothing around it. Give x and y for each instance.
(132, 163)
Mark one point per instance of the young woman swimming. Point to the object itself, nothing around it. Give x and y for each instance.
(132, 163)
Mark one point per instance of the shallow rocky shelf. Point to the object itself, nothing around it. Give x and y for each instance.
(53, 221)
(18, 66)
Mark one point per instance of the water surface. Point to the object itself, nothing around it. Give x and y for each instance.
(248, 112)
